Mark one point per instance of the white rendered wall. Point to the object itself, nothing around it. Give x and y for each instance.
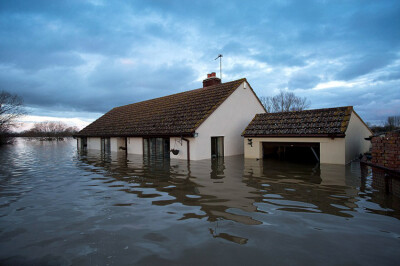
(135, 145)
(355, 134)
(228, 120)
(116, 143)
(181, 145)
(113, 144)
(332, 151)
(79, 143)
(93, 143)
(120, 143)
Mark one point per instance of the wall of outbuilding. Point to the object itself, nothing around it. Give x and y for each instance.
(356, 133)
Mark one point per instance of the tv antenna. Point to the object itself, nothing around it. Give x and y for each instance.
(220, 65)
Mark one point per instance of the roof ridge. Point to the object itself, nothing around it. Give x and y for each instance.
(309, 110)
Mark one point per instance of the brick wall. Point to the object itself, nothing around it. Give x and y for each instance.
(386, 150)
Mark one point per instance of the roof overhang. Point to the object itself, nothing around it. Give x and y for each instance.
(191, 134)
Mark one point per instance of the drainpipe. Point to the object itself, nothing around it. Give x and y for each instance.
(188, 148)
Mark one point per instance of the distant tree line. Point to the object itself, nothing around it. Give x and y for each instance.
(12, 108)
(392, 123)
(49, 131)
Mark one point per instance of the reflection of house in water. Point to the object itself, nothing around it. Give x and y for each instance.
(214, 185)
(328, 188)
(234, 188)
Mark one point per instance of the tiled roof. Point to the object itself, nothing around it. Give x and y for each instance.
(174, 115)
(329, 122)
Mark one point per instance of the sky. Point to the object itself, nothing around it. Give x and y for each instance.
(73, 61)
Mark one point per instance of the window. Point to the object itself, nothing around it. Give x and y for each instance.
(105, 145)
(84, 143)
(156, 148)
(217, 147)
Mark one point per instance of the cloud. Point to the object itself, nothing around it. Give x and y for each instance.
(82, 58)
(303, 81)
(365, 65)
(389, 77)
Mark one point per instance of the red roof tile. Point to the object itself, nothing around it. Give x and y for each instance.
(174, 115)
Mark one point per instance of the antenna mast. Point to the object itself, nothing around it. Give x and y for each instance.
(220, 65)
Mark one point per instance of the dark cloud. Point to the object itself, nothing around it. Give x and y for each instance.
(389, 77)
(282, 59)
(303, 81)
(90, 56)
(365, 65)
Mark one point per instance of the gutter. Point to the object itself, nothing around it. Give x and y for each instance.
(133, 135)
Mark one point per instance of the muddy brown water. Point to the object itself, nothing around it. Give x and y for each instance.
(61, 207)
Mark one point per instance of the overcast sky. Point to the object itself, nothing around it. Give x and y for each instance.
(75, 60)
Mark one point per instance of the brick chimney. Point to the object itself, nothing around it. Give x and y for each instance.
(211, 80)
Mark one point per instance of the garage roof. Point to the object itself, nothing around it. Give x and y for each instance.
(327, 122)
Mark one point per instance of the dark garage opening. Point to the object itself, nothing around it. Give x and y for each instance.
(304, 152)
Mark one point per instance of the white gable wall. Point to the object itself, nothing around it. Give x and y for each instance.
(228, 120)
(355, 134)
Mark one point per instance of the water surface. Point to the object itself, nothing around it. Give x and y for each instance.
(61, 207)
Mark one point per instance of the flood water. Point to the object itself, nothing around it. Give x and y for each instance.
(59, 207)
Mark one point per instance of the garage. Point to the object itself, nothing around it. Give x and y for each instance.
(330, 135)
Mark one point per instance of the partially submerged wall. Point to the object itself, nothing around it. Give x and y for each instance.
(93, 143)
(135, 145)
(386, 150)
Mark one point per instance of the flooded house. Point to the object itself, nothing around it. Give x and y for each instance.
(193, 125)
(330, 135)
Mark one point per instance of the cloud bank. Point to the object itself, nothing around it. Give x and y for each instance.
(79, 59)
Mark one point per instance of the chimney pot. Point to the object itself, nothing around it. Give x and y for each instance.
(211, 80)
